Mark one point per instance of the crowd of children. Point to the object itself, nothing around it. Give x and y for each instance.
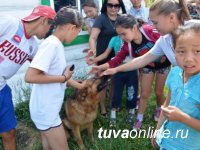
(138, 39)
(121, 45)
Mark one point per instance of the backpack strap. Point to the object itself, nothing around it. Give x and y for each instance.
(130, 50)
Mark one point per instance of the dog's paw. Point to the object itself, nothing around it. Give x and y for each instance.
(92, 140)
(82, 147)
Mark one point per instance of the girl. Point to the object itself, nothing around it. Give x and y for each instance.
(167, 16)
(120, 80)
(183, 82)
(91, 11)
(141, 38)
(103, 30)
(18, 44)
(47, 72)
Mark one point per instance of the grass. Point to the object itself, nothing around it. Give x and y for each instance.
(119, 143)
(28, 137)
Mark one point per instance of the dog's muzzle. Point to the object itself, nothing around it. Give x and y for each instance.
(104, 82)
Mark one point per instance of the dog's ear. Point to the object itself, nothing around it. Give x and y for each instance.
(82, 94)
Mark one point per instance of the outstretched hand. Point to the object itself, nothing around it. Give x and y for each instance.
(90, 53)
(89, 60)
(110, 71)
(95, 70)
(82, 84)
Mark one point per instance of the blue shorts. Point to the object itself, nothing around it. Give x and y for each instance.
(8, 120)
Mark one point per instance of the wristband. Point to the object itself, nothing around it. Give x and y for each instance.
(65, 78)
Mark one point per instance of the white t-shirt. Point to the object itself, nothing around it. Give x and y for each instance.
(90, 22)
(15, 47)
(164, 46)
(141, 13)
(46, 99)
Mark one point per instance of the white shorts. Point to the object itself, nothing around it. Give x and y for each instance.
(46, 126)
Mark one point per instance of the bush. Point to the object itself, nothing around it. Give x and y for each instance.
(22, 113)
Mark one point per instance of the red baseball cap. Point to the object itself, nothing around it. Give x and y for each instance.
(41, 11)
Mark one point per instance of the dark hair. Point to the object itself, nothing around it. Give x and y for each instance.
(166, 7)
(104, 7)
(128, 21)
(190, 26)
(68, 15)
(89, 3)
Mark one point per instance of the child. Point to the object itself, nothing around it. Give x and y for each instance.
(102, 32)
(141, 38)
(18, 44)
(138, 10)
(47, 72)
(91, 12)
(120, 80)
(183, 82)
(167, 16)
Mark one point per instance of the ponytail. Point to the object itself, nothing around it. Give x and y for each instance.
(185, 12)
(166, 7)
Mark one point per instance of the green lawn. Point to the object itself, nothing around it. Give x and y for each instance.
(120, 143)
(28, 137)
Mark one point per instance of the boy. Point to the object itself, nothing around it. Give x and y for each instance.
(17, 45)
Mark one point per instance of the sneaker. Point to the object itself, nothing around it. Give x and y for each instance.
(112, 123)
(137, 125)
(104, 115)
(157, 114)
(129, 118)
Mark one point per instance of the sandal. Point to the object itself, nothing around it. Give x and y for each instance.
(105, 115)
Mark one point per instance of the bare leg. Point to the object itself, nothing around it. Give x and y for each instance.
(146, 84)
(102, 101)
(9, 141)
(110, 94)
(45, 143)
(159, 88)
(54, 139)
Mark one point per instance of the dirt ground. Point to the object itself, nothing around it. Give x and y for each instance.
(27, 138)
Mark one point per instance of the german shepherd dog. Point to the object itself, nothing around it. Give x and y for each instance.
(81, 111)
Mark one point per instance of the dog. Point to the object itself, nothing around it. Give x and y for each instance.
(81, 111)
